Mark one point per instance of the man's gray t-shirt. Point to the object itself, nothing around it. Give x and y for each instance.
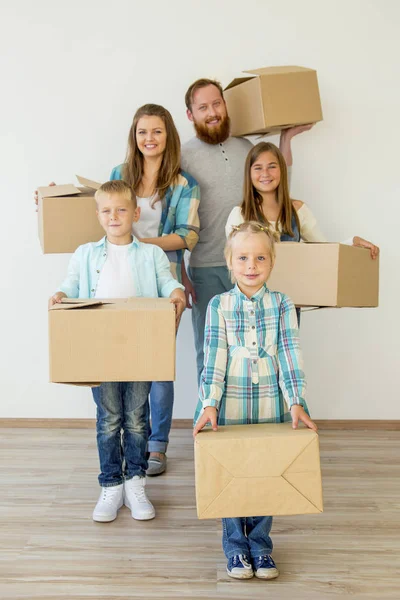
(219, 171)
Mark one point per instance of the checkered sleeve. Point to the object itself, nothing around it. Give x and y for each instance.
(212, 384)
(290, 361)
(187, 224)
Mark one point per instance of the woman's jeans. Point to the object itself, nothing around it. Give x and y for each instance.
(161, 406)
(247, 535)
(122, 406)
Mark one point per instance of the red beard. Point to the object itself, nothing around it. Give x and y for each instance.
(214, 135)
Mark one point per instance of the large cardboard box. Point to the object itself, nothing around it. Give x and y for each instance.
(273, 98)
(326, 274)
(67, 216)
(257, 470)
(115, 340)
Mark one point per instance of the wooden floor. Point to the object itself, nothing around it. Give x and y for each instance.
(51, 549)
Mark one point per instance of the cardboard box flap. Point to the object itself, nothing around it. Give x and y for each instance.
(278, 70)
(93, 185)
(68, 303)
(55, 191)
(237, 81)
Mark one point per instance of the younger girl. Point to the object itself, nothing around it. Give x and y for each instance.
(253, 373)
(266, 200)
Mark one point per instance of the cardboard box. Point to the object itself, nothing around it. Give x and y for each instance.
(67, 216)
(257, 470)
(273, 98)
(326, 275)
(115, 340)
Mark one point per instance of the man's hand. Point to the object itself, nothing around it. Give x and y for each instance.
(56, 298)
(299, 414)
(374, 250)
(35, 196)
(209, 416)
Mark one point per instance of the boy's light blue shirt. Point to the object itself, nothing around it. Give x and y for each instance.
(150, 268)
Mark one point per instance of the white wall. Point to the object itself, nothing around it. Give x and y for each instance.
(72, 75)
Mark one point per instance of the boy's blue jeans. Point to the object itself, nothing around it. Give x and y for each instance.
(161, 406)
(247, 535)
(122, 406)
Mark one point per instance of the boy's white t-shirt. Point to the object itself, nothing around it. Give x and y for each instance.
(116, 277)
(150, 218)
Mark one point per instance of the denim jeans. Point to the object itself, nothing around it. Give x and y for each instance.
(247, 535)
(207, 283)
(122, 406)
(161, 406)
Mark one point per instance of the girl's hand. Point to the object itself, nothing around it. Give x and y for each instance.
(56, 298)
(35, 196)
(180, 305)
(209, 416)
(299, 414)
(374, 250)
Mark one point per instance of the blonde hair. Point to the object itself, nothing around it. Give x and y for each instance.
(251, 207)
(133, 169)
(117, 187)
(249, 227)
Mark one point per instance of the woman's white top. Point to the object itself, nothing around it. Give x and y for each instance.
(309, 230)
(150, 218)
(116, 277)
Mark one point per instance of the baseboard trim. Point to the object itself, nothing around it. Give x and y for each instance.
(350, 424)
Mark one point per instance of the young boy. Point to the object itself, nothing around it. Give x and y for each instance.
(120, 266)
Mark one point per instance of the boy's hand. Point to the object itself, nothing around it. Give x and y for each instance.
(209, 416)
(358, 241)
(35, 196)
(299, 414)
(56, 298)
(189, 288)
(180, 305)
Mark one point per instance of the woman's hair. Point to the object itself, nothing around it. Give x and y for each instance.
(249, 227)
(251, 207)
(116, 187)
(170, 166)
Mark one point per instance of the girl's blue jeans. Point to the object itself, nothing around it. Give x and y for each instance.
(247, 535)
(161, 407)
(122, 407)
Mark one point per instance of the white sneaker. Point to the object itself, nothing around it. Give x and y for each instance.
(110, 501)
(135, 498)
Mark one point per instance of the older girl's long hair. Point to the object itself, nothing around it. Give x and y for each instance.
(251, 207)
(170, 166)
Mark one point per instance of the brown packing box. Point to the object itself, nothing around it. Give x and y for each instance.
(67, 216)
(273, 98)
(115, 340)
(257, 470)
(326, 274)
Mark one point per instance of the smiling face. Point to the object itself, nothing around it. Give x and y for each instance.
(250, 261)
(265, 173)
(151, 136)
(209, 115)
(117, 213)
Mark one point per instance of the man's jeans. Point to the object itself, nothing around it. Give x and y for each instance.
(161, 406)
(247, 535)
(122, 406)
(207, 282)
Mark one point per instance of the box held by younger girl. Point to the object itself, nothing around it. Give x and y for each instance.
(67, 216)
(273, 98)
(257, 470)
(112, 340)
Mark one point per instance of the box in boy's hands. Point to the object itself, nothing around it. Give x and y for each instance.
(67, 216)
(326, 274)
(273, 98)
(114, 340)
(257, 470)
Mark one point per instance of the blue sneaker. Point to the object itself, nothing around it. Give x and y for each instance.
(239, 567)
(264, 567)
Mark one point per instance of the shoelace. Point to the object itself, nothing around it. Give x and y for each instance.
(140, 494)
(108, 495)
(239, 558)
